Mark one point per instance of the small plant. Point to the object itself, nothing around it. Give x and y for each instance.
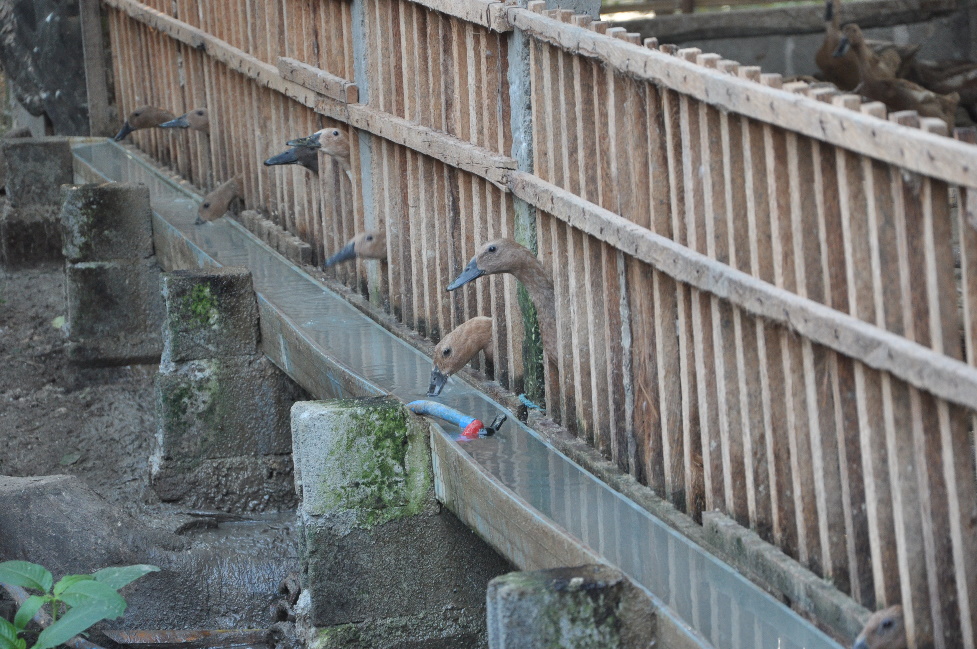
(76, 602)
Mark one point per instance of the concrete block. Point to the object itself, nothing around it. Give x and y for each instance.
(236, 484)
(250, 219)
(362, 462)
(210, 313)
(573, 608)
(221, 408)
(36, 168)
(448, 629)
(115, 311)
(29, 236)
(378, 547)
(105, 222)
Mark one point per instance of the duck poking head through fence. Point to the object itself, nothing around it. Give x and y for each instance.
(143, 117)
(217, 202)
(332, 141)
(196, 119)
(457, 348)
(367, 245)
(304, 156)
(885, 629)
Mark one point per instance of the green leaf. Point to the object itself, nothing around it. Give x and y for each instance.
(67, 580)
(90, 593)
(8, 634)
(21, 643)
(119, 577)
(28, 609)
(26, 574)
(72, 623)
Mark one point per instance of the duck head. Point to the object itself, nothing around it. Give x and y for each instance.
(457, 348)
(851, 37)
(498, 256)
(369, 245)
(143, 117)
(305, 156)
(217, 202)
(885, 629)
(197, 119)
(331, 140)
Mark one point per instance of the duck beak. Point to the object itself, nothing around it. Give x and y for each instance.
(346, 253)
(289, 157)
(312, 141)
(199, 221)
(472, 271)
(179, 122)
(123, 132)
(861, 644)
(438, 379)
(843, 46)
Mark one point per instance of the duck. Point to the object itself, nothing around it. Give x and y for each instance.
(893, 60)
(368, 245)
(304, 156)
(507, 256)
(217, 202)
(885, 629)
(457, 348)
(897, 94)
(332, 141)
(196, 119)
(143, 117)
(948, 76)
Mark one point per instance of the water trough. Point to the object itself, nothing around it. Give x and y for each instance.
(528, 500)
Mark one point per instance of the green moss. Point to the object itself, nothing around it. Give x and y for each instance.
(200, 306)
(532, 345)
(385, 465)
(342, 636)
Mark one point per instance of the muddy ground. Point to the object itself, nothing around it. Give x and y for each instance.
(97, 424)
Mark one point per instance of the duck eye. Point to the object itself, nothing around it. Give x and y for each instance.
(206, 204)
(369, 238)
(492, 248)
(335, 133)
(887, 623)
(446, 352)
(136, 114)
(200, 112)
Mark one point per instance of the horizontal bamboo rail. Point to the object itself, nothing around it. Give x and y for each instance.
(755, 289)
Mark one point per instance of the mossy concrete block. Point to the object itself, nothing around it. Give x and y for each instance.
(210, 313)
(115, 312)
(361, 461)
(106, 222)
(452, 628)
(237, 484)
(429, 562)
(29, 236)
(221, 408)
(36, 168)
(586, 607)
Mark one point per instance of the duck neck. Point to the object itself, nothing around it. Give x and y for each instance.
(832, 18)
(540, 288)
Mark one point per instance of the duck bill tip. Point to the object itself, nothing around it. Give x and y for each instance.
(179, 122)
(283, 158)
(345, 254)
(310, 141)
(472, 272)
(123, 132)
(438, 381)
(843, 46)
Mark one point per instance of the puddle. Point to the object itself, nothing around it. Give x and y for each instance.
(708, 595)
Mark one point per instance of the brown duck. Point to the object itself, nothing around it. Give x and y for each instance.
(897, 94)
(457, 348)
(217, 202)
(885, 629)
(143, 117)
(368, 245)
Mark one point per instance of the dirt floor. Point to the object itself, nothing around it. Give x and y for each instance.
(97, 424)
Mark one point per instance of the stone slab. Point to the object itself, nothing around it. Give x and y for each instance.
(361, 462)
(585, 607)
(36, 168)
(115, 312)
(221, 408)
(236, 484)
(210, 313)
(452, 628)
(107, 221)
(29, 236)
